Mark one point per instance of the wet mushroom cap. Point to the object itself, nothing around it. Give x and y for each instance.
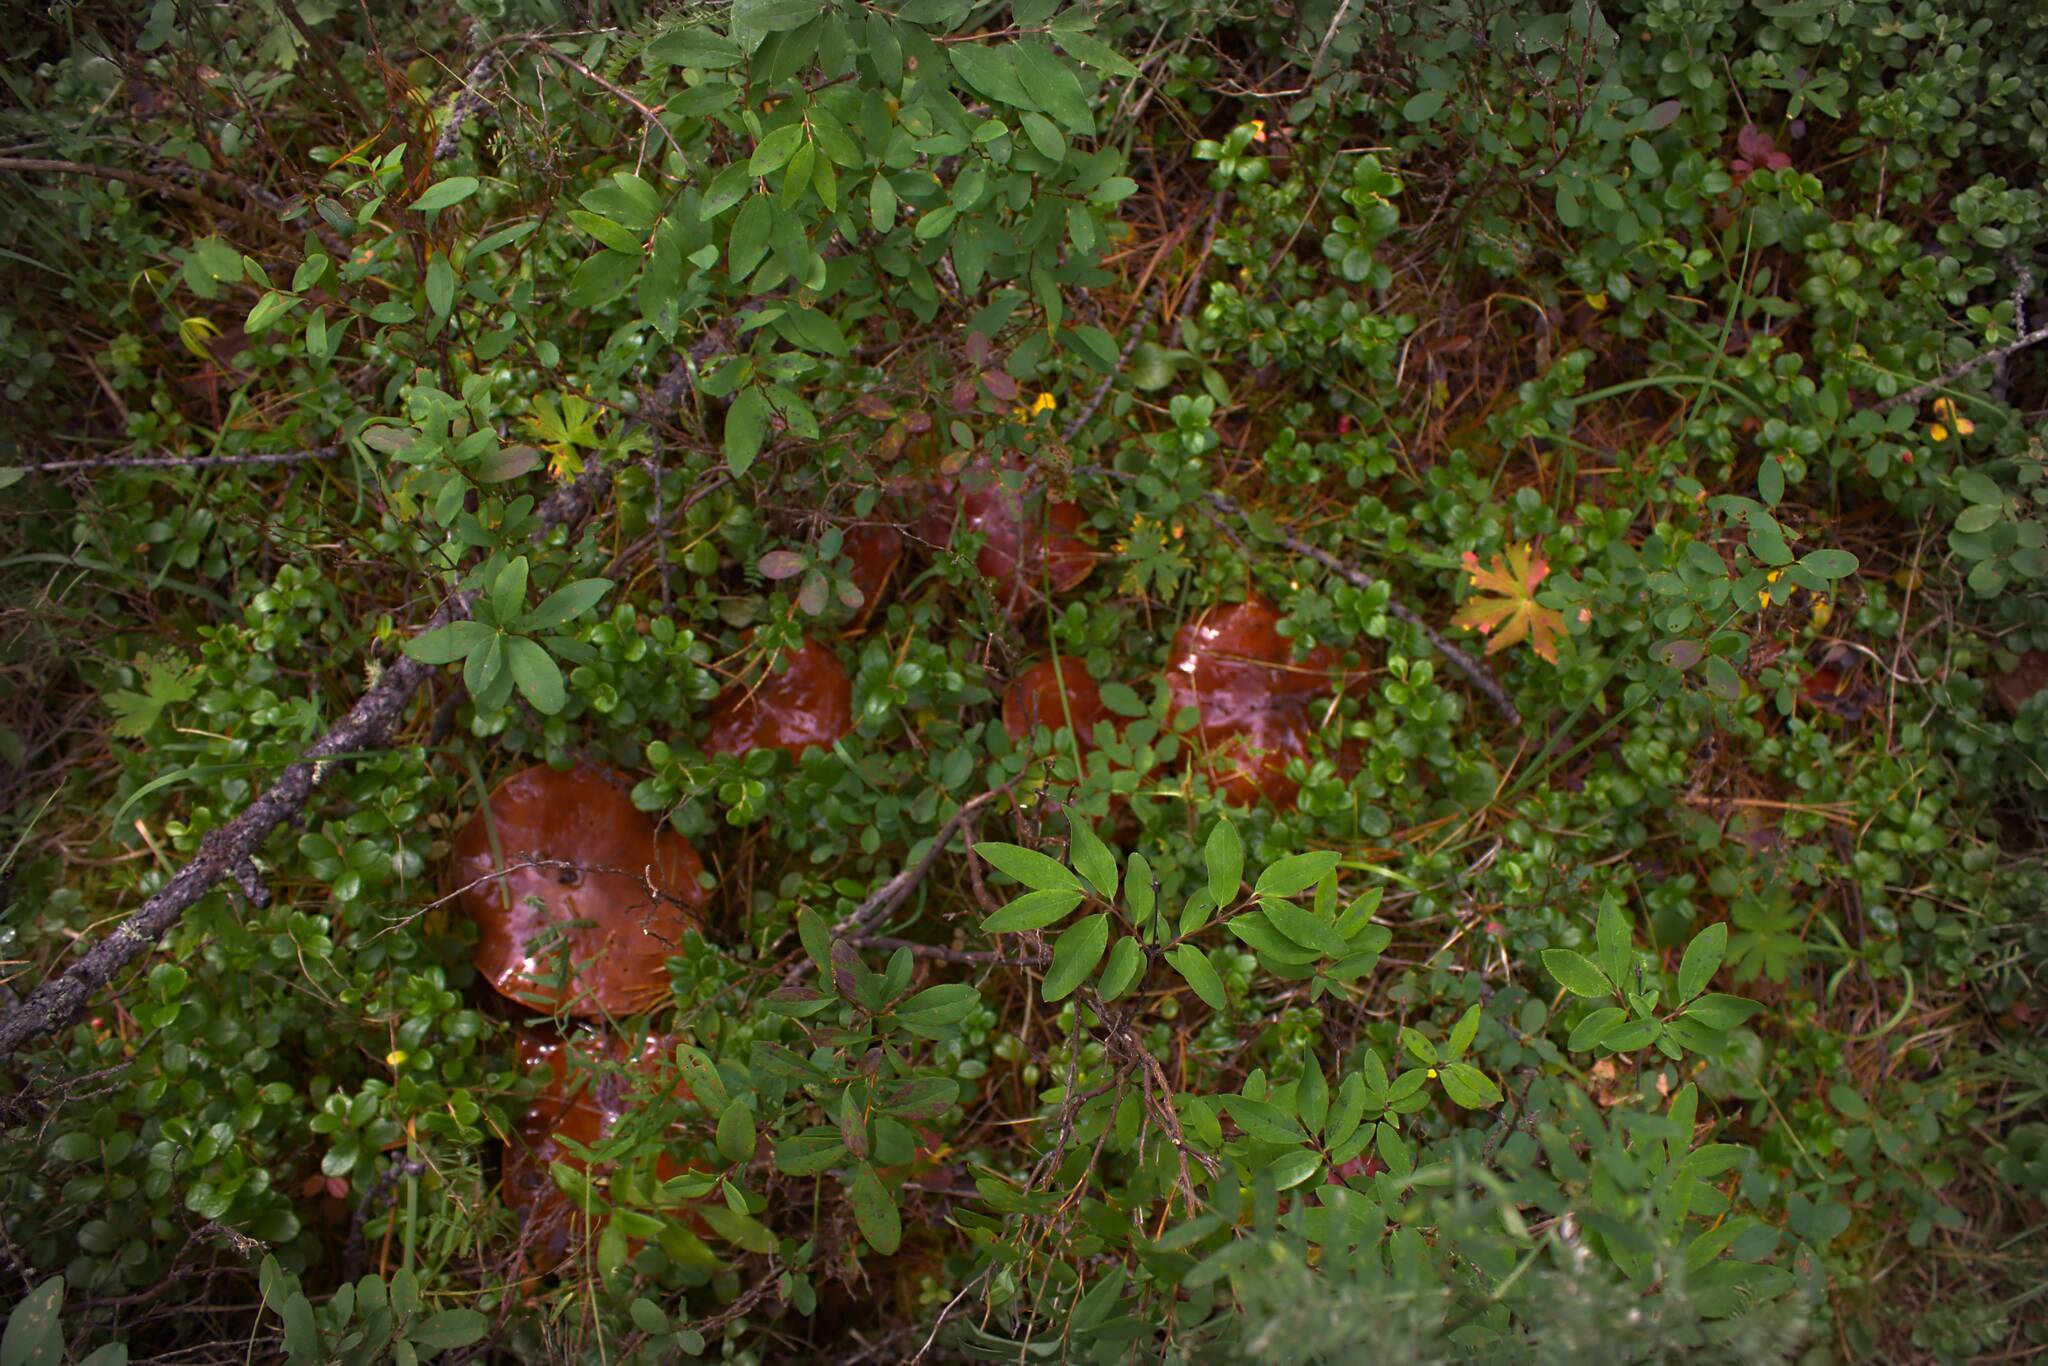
(809, 703)
(1257, 702)
(1029, 540)
(583, 1105)
(1033, 700)
(598, 857)
(874, 551)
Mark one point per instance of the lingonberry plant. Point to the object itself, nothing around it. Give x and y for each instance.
(810, 679)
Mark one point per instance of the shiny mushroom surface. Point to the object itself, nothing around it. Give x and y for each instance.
(585, 898)
(1258, 704)
(810, 702)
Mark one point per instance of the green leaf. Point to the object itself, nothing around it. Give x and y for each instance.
(1462, 1033)
(1091, 51)
(1074, 955)
(1126, 963)
(1045, 137)
(776, 149)
(1304, 927)
(1830, 564)
(449, 1328)
(776, 16)
(647, 1316)
(1264, 1121)
(1422, 106)
(1028, 866)
(1223, 857)
(1468, 1086)
(35, 1336)
(446, 194)
(1193, 966)
(1717, 1011)
(992, 72)
(1033, 910)
(301, 1332)
(874, 1209)
(508, 590)
(1575, 973)
(746, 427)
(749, 240)
(882, 203)
(446, 644)
(270, 308)
(1296, 873)
(1139, 893)
(1091, 857)
(536, 674)
(1589, 1031)
(440, 285)
(1647, 162)
(736, 1136)
(1702, 959)
(565, 604)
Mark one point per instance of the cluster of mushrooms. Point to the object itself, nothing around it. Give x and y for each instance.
(580, 899)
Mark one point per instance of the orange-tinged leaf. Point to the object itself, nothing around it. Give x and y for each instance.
(1506, 611)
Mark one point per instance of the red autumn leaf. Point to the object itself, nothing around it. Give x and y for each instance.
(1506, 609)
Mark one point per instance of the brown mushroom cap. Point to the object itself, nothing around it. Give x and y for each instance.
(1256, 700)
(581, 818)
(1033, 700)
(874, 551)
(1028, 540)
(2029, 675)
(583, 1105)
(809, 703)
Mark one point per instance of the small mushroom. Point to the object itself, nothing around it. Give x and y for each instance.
(1030, 540)
(584, 1106)
(808, 703)
(584, 873)
(1034, 699)
(1257, 702)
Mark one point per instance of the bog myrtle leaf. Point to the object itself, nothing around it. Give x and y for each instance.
(1702, 958)
(746, 427)
(1092, 858)
(1468, 1086)
(1074, 955)
(1296, 873)
(1125, 965)
(1028, 866)
(1223, 859)
(1194, 968)
(1505, 609)
(1575, 973)
(446, 644)
(535, 672)
(1033, 911)
(566, 604)
(1717, 1011)
(447, 194)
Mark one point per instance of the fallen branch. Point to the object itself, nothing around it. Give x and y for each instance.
(180, 462)
(230, 850)
(1997, 353)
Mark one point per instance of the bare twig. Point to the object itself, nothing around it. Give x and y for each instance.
(1997, 353)
(182, 462)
